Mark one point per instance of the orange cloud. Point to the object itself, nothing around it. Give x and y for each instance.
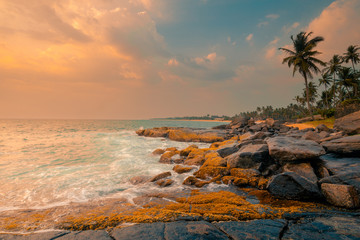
(338, 24)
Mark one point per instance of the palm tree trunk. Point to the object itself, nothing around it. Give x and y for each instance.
(353, 64)
(326, 98)
(307, 96)
(334, 88)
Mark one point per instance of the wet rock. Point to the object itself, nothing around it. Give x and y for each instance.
(200, 230)
(195, 135)
(206, 172)
(160, 176)
(341, 195)
(239, 182)
(251, 175)
(287, 149)
(350, 124)
(185, 152)
(87, 235)
(158, 151)
(327, 228)
(154, 132)
(249, 156)
(169, 157)
(34, 236)
(213, 159)
(303, 169)
(191, 180)
(347, 146)
(290, 185)
(255, 229)
(228, 150)
(164, 182)
(182, 169)
(139, 180)
(143, 231)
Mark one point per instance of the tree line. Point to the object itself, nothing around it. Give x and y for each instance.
(341, 82)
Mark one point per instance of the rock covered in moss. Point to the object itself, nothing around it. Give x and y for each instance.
(193, 181)
(182, 169)
(158, 151)
(206, 172)
(160, 176)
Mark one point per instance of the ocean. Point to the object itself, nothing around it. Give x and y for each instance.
(46, 163)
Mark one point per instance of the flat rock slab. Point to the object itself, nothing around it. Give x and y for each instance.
(338, 165)
(193, 230)
(332, 228)
(144, 231)
(350, 124)
(288, 149)
(61, 235)
(256, 229)
(170, 231)
(348, 146)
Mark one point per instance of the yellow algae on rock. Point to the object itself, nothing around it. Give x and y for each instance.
(185, 152)
(213, 159)
(206, 172)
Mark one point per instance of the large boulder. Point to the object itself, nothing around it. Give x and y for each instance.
(249, 156)
(239, 122)
(341, 195)
(303, 169)
(228, 150)
(287, 149)
(290, 185)
(349, 146)
(350, 124)
(352, 178)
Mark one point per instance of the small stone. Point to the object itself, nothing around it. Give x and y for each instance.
(160, 176)
(164, 182)
(182, 169)
(158, 151)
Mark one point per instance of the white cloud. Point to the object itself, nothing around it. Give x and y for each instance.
(288, 29)
(249, 39)
(272, 16)
(173, 62)
(263, 24)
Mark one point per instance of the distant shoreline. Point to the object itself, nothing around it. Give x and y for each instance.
(192, 120)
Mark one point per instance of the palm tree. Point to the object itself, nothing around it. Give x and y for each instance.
(302, 58)
(352, 55)
(325, 80)
(348, 79)
(334, 67)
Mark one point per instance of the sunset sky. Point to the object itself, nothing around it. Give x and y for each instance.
(139, 59)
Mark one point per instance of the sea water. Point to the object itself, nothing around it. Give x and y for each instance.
(45, 163)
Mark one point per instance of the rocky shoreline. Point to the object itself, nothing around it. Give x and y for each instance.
(255, 180)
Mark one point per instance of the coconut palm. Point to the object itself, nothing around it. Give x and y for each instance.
(348, 79)
(302, 58)
(325, 80)
(333, 67)
(352, 55)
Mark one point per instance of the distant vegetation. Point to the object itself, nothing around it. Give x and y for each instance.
(341, 83)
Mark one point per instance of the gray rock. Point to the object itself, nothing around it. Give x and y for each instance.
(86, 235)
(324, 135)
(290, 185)
(239, 122)
(322, 228)
(256, 229)
(192, 230)
(322, 128)
(160, 176)
(311, 135)
(338, 165)
(350, 124)
(302, 169)
(341, 195)
(228, 150)
(248, 156)
(348, 146)
(257, 127)
(352, 178)
(34, 236)
(287, 149)
(145, 231)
